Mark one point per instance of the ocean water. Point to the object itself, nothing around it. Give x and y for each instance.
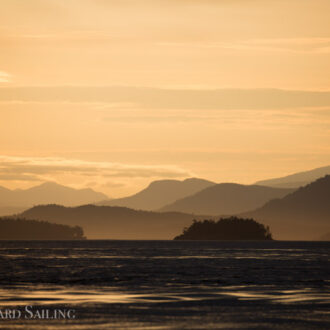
(166, 284)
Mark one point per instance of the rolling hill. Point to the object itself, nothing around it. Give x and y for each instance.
(303, 214)
(106, 222)
(226, 199)
(160, 193)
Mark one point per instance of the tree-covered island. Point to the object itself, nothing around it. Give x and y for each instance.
(228, 229)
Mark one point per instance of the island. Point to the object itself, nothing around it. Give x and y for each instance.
(226, 229)
(22, 229)
(325, 237)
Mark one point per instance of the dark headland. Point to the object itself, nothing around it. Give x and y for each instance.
(22, 229)
(232, 228)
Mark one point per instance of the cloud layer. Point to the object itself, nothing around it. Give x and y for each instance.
(157, 98)
(43, 169)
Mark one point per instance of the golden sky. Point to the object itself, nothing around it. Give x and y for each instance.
(115, 94)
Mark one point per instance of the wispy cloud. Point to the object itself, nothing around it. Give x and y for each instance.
(284, 45)
(4, 77)
(293, 45)
(314, 45)
(34, 169)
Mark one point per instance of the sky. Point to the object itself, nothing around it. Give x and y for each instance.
(115, 94)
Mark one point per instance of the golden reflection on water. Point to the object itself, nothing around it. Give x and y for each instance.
(57, 295)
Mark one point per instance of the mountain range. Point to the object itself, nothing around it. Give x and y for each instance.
(226, 199)
(296, 180)
(302, 214)
(160, 193)
(48, 192)
(199, 196)
(161, 210)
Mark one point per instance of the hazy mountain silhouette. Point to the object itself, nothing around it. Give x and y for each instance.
(226, 199)
(232, 228)
(303, 214)
(48, 192)
(296, 180)
(106, 222)
(22, 229)
(160, 193)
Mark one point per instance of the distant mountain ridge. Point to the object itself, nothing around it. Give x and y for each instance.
(160, 193)
(296, 180)
(226, 199)
(48, 192)
(303, 214)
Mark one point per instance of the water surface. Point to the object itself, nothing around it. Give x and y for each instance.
(169, 284)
